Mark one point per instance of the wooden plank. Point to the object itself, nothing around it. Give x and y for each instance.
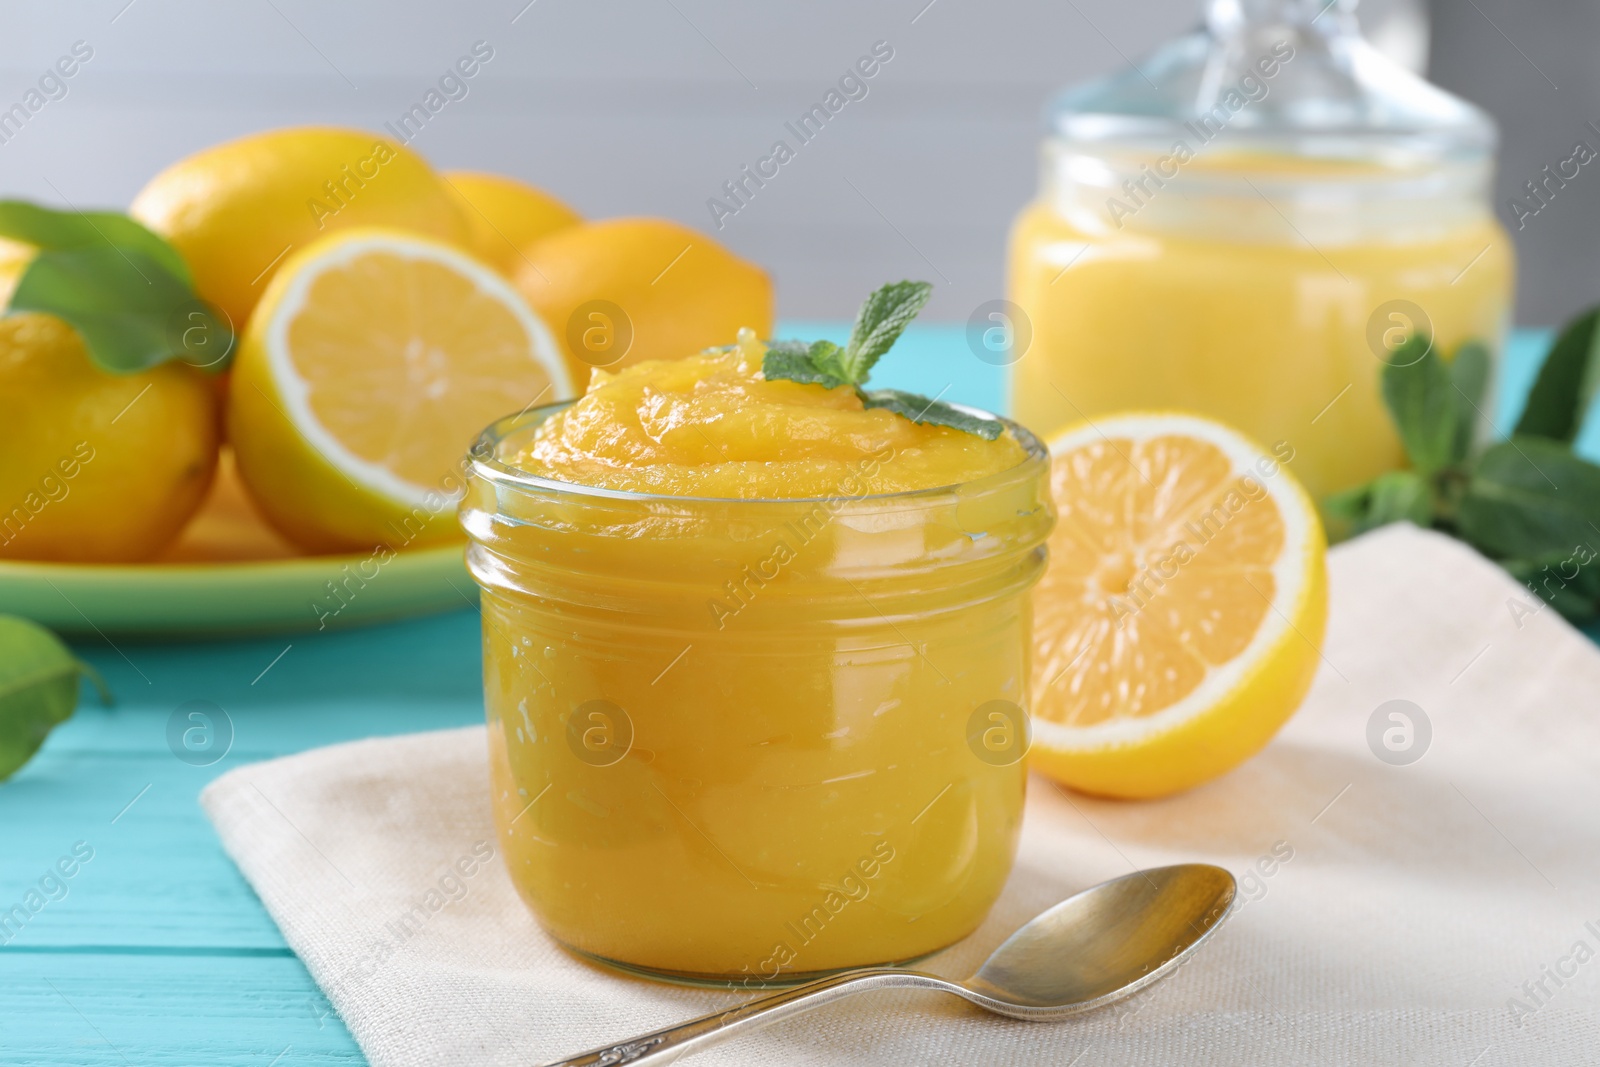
(107, 779)
(155, 951)
(327, 686)
(112, 1010)
(159, 951)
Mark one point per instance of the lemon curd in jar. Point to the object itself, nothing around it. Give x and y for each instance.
(1260, 292)
(1246, 223)
(755, 661)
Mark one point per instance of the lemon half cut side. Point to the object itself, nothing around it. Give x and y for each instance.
(371, 364)
(1181, 619)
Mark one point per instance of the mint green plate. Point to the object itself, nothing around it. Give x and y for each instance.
(232, 599)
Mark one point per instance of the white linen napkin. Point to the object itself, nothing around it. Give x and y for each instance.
(1441, 912)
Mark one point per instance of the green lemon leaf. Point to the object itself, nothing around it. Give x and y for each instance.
(124, 289)
(1566, 383)
(933, 412)
(1529, 498)
(61, 231)
(38, 689)
(882, 319)
(131, 311)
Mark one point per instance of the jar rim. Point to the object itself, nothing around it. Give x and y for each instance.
(486, 464)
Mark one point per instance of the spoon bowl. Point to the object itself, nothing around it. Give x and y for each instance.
(1091, 949)
(1104, 943)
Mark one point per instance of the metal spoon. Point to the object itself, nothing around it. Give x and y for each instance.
(1086, 952)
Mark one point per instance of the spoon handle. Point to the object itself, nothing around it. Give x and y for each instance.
(673, 1041)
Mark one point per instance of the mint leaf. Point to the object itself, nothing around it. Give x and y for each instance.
(794, 361)
(933, 412)
(880, 322)
(1529, 502)
(1422, 397)
(1567, 580)
(1391, 497)
(1529, 497)
(38, 689)
(828, 358)
(1469, 372)
(125, 290)
(882, 319)
(1434, 405)
(1352, 506)
(1566, 384)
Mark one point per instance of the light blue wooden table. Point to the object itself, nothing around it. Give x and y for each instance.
(157, 952)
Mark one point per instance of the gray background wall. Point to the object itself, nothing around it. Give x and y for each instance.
(648, 106)
(1535, 64)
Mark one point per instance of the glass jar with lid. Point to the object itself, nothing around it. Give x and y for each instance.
(1244, 225)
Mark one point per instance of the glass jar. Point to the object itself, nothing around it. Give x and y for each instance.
(753, 741)
(1244, 225)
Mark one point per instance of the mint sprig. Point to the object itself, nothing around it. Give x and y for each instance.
(1560, 397)
(126, 291)
(1527, 502)
(801, 362)
(883, 317)
(919, 408)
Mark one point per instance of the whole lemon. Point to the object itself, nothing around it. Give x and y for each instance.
(504, 215)
(626, 290)
(236, 210)
(96, 467)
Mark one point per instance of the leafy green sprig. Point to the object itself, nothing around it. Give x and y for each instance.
(1527, 502)
(126, 291)
(880, 322)
(38, 689)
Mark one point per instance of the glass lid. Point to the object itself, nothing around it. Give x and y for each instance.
(1291, 75)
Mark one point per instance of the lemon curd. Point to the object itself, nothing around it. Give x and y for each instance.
(755, 660)
(1260, 292)
(712, 426)
(1245, 224)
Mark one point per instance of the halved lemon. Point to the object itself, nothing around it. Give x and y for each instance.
(373, 360)
(1181, 619)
